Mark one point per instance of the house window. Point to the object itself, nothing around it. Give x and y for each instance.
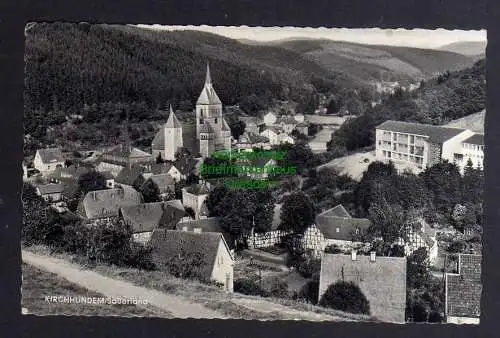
(338, 229)
(357, 231)
(395, 136)
(412, 139)
(215, 120)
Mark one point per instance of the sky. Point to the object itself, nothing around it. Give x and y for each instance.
(420, 38)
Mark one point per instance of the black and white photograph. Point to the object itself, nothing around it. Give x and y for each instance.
(259, 173)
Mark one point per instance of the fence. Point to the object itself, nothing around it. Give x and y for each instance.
(266, 239)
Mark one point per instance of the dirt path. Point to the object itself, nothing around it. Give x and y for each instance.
(288, 313)
(177, 306)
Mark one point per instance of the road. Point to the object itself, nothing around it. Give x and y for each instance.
(177, 306)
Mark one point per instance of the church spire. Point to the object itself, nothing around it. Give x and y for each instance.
(208, 79)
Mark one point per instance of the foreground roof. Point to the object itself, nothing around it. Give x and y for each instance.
(477, 139)
(436, 134)
(146, 217)
(174, 244)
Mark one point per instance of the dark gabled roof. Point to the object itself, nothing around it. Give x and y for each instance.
(74, 171)
(287, 120)
(47, 189)
(51, 155)
(164, 182)
(336, 223)
(106, 203)
(129, 174)
(253, 138)
(158, 142)
(275, 129)
(463, 291)
(160, 168)
(71, 187)
(383, 282)
(127, 152)
(251, 120)
(337, 211)
(477, 139)
(211, 224)
(173, 244)
(186, 165)
(198, 189)
(436, 134)
(149, 216)
(107, 175)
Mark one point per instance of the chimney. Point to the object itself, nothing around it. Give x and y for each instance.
(372, 256)
(353, 255)
(184, 228)
(93, 194)
(197, 230)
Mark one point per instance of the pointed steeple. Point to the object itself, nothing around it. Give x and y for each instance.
(172, 121)
(208, 78)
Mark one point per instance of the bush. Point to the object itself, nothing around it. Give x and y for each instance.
(345, 296)
(247, 287)
(457, 246)
(140, 257)
(310, 291)
(333, 249)
(309, 266)
(279, 288)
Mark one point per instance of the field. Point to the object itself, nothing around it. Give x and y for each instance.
(37, 284)
(354, 165)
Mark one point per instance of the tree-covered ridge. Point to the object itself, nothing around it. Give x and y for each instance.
(82, 63)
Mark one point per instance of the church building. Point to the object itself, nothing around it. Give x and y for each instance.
(212, 131)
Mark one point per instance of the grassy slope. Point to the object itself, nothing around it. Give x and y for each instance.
(474, 122)
(232, 305)
(470, 48)
(37, 284)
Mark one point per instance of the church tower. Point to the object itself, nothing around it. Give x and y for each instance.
(173, 136)
(209, 121)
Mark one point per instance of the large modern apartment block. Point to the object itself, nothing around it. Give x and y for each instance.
(416, 146)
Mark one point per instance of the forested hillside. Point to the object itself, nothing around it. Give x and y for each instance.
(373, 62)
(450, 96)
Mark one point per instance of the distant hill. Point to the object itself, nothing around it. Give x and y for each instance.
(374, 62)
(474, 122)
(469, 48)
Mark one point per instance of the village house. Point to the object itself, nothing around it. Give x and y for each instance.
(50, 192)
(463, 291)
(109, 178)
(287, 123)
(335, 227)
(102, 205)
(303, 128)
(194, 197)
(131, 176)
(417, 146)
(252, 124)
(206, 252)
(166, 168)
(144, 218)
(250, 140)
(284, 138)
(25, 171)
(188, 165)
(272, 134)
(164, 182)
(48, 159)
(270, 119)
(120, 157)
(381, 279)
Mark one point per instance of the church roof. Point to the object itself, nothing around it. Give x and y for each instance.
(225, 126)
(172, 121)
(208, 94)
